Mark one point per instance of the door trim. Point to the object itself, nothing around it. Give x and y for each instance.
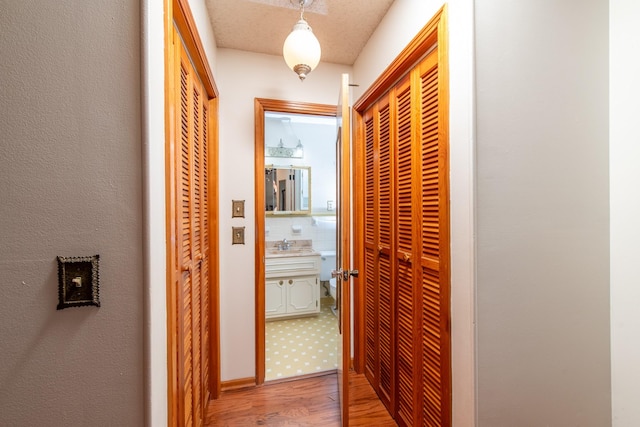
(434, 32)
(260, 106)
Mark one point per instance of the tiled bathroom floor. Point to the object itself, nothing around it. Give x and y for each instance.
(302, 345)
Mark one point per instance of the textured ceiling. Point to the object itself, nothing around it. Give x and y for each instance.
(342, 26)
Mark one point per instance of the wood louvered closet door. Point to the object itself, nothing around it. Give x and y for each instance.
(379, 319)
(406, 241)
(192, 235)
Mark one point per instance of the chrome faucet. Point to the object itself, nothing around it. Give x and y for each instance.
(284, 245)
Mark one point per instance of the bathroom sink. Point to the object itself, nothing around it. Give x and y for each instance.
(292, 248)
(278, 253)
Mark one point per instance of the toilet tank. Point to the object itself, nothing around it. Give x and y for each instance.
(327, 264)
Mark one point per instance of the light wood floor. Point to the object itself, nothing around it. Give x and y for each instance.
(304, 402)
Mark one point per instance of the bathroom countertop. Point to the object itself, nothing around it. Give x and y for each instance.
(296, 248)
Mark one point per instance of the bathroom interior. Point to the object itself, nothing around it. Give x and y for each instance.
(300, 245)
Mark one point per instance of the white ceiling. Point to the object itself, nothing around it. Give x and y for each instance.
(342, 26)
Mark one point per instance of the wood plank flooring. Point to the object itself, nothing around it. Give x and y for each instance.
(304, 402)
(365, 409)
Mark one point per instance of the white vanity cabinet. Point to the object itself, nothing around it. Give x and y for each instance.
(275, 296)
(292, 286)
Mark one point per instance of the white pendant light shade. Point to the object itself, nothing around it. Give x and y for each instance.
(301, 49)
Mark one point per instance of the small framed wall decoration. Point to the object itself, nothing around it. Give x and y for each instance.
(78, 281)
(237, 209)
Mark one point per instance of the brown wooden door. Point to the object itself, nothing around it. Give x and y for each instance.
(403, 257)
(343, 250)
(192, 262)
(379, 235)
(406, 241)
(433, 247)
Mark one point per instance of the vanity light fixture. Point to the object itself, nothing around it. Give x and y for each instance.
(299, 150)
(301, 48)
(281, 150)
(288, 152)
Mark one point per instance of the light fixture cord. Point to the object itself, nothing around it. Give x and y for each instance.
(301, 9)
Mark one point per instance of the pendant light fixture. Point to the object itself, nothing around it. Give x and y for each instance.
(301, 49)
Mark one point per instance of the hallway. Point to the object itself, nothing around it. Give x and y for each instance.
(306, 402)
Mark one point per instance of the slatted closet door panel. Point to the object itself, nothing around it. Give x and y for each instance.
(405, 307)
(434, 250)
(205, 262)
(196, 218)
(386, 309)
(370, 267)
(193, 258)
(185, 331)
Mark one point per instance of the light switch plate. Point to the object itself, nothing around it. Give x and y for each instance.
(78, 281)
(238, 235)
(237, 209)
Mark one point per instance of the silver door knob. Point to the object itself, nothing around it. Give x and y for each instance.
(349, 273)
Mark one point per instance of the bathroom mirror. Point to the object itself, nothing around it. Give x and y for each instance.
(287, 190)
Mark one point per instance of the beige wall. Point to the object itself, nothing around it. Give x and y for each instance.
(542, 213)
(70, 185)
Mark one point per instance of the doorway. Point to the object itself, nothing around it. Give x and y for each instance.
(296, 329)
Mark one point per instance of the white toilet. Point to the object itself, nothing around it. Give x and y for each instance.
(327, 264)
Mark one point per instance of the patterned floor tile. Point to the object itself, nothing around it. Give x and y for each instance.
(302, 345)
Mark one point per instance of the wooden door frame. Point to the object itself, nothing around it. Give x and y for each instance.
(260, 106)
(178, 13)
(432, 34)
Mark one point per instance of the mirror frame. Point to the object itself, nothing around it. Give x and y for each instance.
(301, 212)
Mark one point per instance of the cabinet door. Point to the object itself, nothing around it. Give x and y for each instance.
(275, 297)
(303, 294)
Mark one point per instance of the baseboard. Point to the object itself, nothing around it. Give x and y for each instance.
(302, 377)
(237, 384)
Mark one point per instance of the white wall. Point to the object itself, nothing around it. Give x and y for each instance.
(543, 213)
(321, 230)
(205, 30)
(71, 185)
(241, 77)
(155, 274)
(403, 21)
(624, 140)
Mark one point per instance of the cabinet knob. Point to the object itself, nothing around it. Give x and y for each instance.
(281, 282)
(290, 281)
(406, 257)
